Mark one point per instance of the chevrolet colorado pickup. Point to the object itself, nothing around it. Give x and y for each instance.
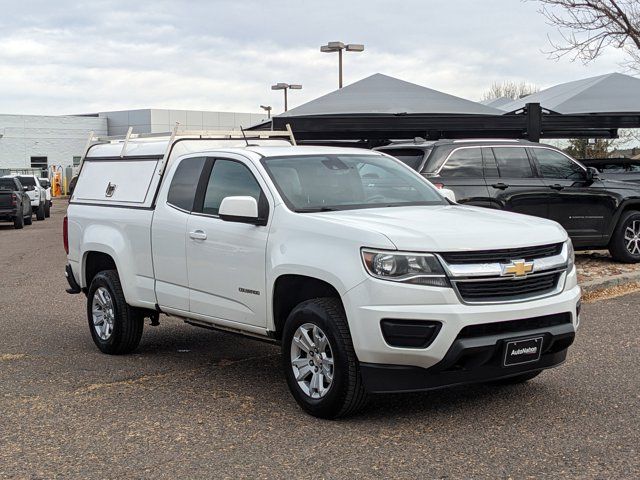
(368, 278)
(15, 205)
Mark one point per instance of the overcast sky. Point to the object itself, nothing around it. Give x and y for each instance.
(60, 56)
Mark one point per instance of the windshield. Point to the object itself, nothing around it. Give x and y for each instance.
(313, 183)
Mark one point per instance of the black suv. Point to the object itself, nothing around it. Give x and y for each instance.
(534, 179)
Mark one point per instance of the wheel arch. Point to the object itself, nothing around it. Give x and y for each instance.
(290, 290)
(626, 206)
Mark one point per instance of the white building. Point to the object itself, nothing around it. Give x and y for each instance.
(39, 141)
(154, 120)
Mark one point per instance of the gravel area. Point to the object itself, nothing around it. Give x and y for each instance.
(596, 264)
(192, 403)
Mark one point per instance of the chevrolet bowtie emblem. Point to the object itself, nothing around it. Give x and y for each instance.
(517, 268)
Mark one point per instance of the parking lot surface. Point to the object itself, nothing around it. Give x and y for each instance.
(193, 403)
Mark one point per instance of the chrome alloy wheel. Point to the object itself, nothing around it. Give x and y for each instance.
(312, 360)
(632, 237)
(102, 311)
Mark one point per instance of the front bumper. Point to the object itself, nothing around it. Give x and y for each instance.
(373, 300)
(469, 360)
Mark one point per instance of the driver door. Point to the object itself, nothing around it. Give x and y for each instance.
(226, 259)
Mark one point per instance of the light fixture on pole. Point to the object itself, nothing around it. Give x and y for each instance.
(339, 47)
(267, 108)
(285, 87)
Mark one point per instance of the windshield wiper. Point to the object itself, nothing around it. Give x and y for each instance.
(315, 210)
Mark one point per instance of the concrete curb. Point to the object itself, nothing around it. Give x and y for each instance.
(610, 281)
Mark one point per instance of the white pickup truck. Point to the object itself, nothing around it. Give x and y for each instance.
(368, 278)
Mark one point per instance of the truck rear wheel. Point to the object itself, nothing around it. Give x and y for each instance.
(625, 242)
(18, 222)
(319, 361)
(116, 328)
(40, 212)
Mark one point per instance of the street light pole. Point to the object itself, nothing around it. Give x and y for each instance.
(267, 108)
(285, 87)
(339, 47)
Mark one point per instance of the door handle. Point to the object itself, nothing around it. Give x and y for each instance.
(556, 186)
(198, 235)
(500, 186)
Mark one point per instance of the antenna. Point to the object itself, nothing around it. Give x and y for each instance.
(244, 136)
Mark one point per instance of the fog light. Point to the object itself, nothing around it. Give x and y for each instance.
(409, 333)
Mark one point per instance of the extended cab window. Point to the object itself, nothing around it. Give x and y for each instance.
(513, 162)
(553, 164)
(465, 162)
(229, 179)
(182, 191)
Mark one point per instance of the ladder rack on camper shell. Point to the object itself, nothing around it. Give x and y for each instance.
(127, 171)
(178, 134)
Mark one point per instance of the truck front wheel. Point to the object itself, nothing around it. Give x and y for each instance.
(116, 328)
(319, 361)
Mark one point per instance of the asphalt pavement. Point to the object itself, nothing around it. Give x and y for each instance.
(194, 403)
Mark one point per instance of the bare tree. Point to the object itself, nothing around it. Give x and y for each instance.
(588, 27)
(509, 89)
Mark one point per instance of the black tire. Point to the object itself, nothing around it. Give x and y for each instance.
(523, 377)
(128, 321)
(28, 220)
(18, 222)
(618, 245)
(47, 209)
(346, 394)
(40, 212)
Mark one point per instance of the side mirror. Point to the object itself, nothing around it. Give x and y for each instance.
(592, 174)
(448, 194)
(240, 209)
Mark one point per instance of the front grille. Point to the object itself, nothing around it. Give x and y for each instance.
(501, 290)
(502, 256)
(498, 328)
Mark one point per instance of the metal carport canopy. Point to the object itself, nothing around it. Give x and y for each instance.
(381, 108)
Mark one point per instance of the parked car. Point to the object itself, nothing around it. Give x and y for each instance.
(46, 184)
(36, 193)
(15, 205)
(534, 179)
(369, 279)
(624, 169)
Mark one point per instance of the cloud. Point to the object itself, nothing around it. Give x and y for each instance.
(75, 57)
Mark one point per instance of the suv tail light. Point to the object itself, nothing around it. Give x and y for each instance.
(14, 200)
(65, 234)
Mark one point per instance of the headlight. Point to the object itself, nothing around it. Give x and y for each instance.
(415, 268)
(571, 255)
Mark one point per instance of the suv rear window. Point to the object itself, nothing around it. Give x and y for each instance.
(28, 181)
(465, 162)
(411, 157)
